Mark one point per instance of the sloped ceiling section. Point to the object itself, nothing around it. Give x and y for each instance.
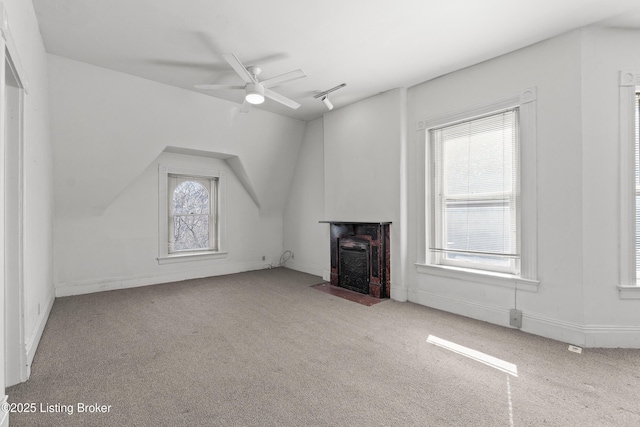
(108, 127)
(373, 46)
(234, 162)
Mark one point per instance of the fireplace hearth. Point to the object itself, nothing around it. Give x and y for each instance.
(360, 257)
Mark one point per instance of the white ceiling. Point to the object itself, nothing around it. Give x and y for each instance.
(371, 45)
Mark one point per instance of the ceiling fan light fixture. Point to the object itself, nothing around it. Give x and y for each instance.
(254, 93)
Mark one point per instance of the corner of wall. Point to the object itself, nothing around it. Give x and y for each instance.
(238, 168)
(41, 322)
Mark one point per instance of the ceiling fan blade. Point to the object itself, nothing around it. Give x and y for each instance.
(240, 69)
(281, 99)
(217, 87)
(283, 78)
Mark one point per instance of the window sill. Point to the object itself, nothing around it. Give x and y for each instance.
(193, 256)
(480, 276)
(629, 292)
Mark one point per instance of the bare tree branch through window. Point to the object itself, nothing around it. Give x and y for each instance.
(191, 210)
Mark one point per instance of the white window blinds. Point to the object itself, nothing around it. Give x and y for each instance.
(475, 191)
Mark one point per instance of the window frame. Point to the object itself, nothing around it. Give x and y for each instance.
(211, 186)
(629, 84)
(440, 199)
(526, 278)
(636, 128)
(217, 198)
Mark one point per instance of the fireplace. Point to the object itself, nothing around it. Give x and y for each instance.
(353, 268)
(360, 257)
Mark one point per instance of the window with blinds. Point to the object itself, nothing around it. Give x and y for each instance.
(474, 188)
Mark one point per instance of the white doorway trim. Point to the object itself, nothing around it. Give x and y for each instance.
(13, 88)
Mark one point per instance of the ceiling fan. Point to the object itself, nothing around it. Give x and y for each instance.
(256, 90)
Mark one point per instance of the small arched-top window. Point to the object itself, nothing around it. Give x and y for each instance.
(191, 221)
(190, 197)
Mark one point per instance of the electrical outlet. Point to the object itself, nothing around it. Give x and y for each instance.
(575, 349)
(515, 318)
(264, 258)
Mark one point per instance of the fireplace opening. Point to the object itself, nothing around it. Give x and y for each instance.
(354, 266)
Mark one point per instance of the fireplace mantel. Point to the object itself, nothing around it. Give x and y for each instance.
(372, 240)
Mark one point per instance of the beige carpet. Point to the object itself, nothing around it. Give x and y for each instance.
(265, 349)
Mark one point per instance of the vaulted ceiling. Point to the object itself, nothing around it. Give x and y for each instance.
(372, 46)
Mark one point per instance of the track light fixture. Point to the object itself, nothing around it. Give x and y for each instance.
(324, 96)
(326, 102)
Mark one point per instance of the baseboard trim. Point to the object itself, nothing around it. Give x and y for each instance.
(612, 336)
(115, 283)
(304, 268)
(34, 339)
(474, 310)
(587, 336)
(399, 293)
(559, 330)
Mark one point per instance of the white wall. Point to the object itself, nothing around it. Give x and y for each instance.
(553, 67)
(609, 319)
(304, 236)
(37, 176)
(102, 118)
(362, 177)
(576, 76)
(348, 170)
(108, 131)
(361, 159)
(119, 248)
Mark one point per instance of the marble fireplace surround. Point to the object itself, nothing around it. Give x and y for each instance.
(360, 246)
